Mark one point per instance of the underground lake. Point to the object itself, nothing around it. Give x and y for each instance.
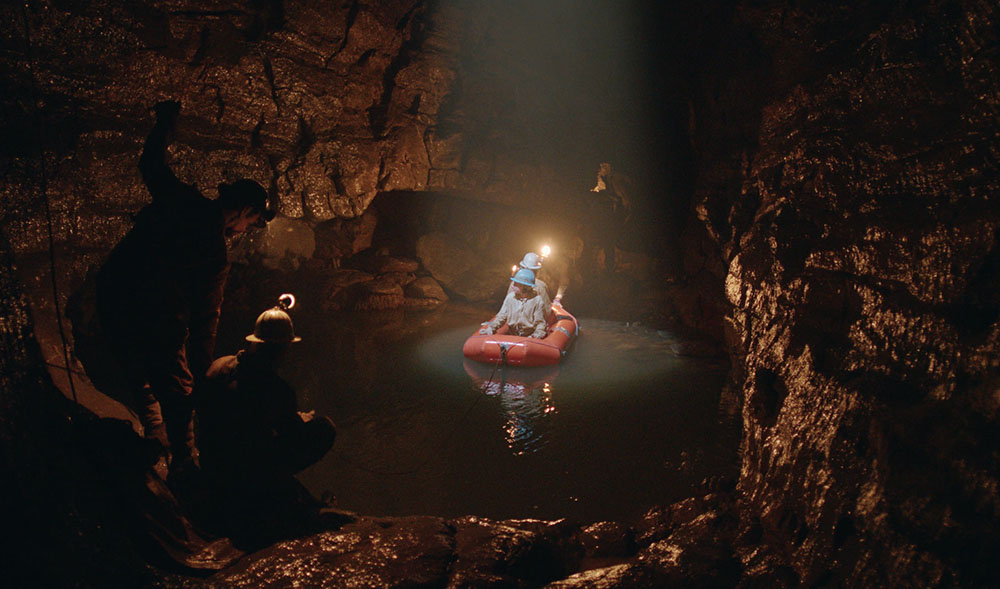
(624, 423)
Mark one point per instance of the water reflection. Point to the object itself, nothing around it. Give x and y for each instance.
(621, 424)
(526, 399)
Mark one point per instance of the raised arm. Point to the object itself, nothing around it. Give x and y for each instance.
(159, 179)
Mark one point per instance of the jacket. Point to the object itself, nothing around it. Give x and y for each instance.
(525, 317)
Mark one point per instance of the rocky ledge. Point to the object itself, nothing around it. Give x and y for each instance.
(687, 543)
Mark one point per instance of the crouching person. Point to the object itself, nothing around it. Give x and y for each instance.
(252, 439)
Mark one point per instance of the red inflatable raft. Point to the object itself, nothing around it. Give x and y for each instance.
(525, 351)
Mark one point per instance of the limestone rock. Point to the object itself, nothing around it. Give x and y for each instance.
(400, 278)
(382, 264)
(407, 160)
(342, 238)
(444, 257)
(862, 277)
(384, 292)
(607, 539)
(531, 551)
(343, 288)
(460, 269)
(425, 287)
(620, 576)
(286, 239)
(412, 551)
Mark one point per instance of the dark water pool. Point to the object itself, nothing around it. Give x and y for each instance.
(621, 425)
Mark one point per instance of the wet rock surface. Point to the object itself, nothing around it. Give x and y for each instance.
(861, 243)
(369, 553)
(279, 93)
(326, 107)
(478, 552)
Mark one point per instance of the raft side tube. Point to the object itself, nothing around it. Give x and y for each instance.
(525, 351)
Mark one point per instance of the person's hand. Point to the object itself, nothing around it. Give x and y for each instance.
(486, 331)
(167, 110)
(307, 417)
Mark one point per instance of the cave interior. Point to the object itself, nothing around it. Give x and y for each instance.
(806, 190)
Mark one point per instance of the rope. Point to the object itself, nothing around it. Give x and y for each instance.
(40, 119)
(427, 458)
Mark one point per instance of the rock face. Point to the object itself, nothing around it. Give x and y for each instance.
(479, 552)
(848, 173)
(325, 105)
(311, 102)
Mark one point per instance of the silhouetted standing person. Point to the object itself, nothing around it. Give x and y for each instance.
(615, 210)
(160, 290)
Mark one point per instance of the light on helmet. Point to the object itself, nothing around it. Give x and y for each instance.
(286, 301)
(513, 269)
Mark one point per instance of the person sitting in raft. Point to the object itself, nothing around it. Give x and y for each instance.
(523, 310)
(532, 261)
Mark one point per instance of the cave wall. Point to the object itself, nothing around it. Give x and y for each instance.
(847, 169)
(328, 105)
(325, 104)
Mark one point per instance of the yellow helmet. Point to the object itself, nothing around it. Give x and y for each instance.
(274, 326)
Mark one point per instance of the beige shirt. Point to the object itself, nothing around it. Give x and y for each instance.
(525, 317)
(541, 288)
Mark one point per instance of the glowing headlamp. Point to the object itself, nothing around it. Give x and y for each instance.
(286, 301)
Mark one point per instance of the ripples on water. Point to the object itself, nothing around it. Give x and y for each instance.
(621, 425)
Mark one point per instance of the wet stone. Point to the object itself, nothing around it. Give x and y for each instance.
(413, 551)
(385, 264)
(342, 238)
(607, 539)
(382, 293)
(499, 553)
(425, 287)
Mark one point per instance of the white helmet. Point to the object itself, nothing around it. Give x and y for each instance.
(530, 261)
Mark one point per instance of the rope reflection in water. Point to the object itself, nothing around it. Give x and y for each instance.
(526, 398)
